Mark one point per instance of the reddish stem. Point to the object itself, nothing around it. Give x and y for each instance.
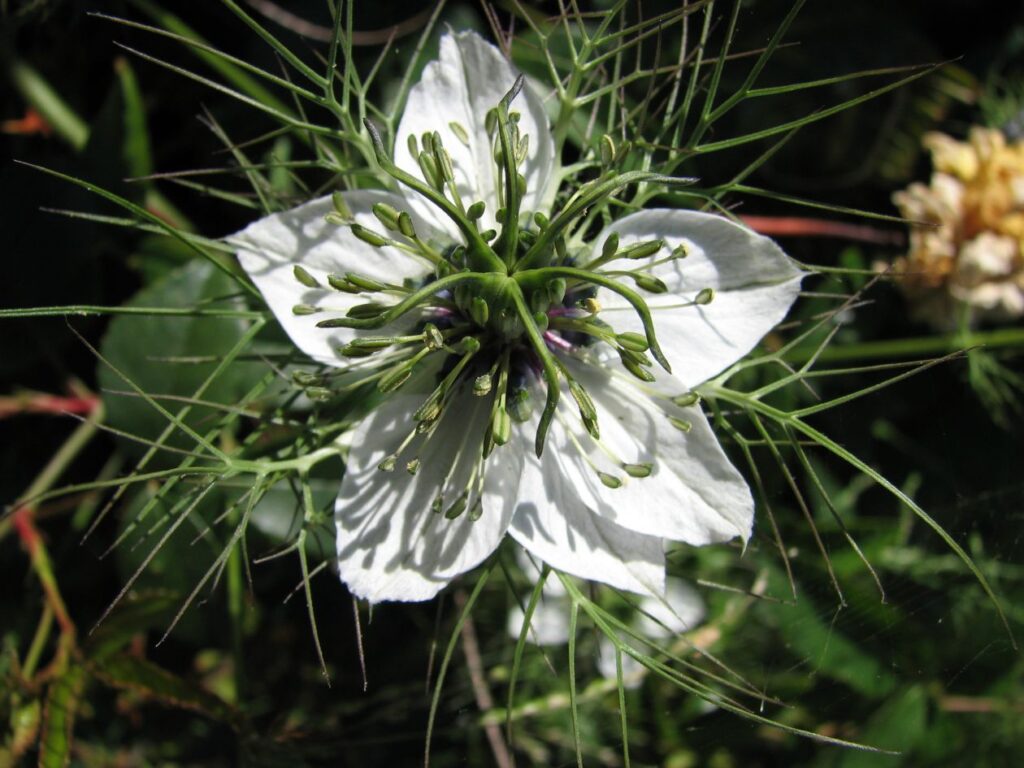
(795, 226)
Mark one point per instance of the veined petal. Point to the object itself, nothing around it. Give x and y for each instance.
(554, 524)
(469, 79)
(693, 492)
(391, 545)
(754, 283)
(270, 249)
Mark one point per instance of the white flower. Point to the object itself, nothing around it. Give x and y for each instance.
(508, 311)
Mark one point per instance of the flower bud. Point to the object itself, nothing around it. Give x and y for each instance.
(476, 210)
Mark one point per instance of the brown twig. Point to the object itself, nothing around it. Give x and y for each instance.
(322, 34)
(482, 694)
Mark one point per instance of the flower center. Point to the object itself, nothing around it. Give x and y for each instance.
(501, 307)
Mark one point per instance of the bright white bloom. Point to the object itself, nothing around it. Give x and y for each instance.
(521, 396)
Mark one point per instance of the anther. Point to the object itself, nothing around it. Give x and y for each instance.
(609, 481)
(368, 236)
(388, 464)
(704, 297)
(304, 277)
(634, 342)
(304, 309)
(386, 215)
(638, 470)
(460, 133)
(681, 424)
(686, 400)
(607, 150)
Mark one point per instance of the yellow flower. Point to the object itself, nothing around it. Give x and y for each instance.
(967, 245)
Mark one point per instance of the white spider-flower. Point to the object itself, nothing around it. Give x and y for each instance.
(521, 397)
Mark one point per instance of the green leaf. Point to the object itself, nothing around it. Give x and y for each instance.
(898, 725)
(173, 356)
(139, 612)
(829, 652)
(62, 700)
(131, 673)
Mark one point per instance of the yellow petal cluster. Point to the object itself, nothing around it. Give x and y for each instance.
(967, 247)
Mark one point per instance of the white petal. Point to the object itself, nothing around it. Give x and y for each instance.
(754, 282)
(269, 250)
(680, 610)
(549, 624)
(553, 523)
(693, 494)
(633, 672)
(469, 79)
(391, 546)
